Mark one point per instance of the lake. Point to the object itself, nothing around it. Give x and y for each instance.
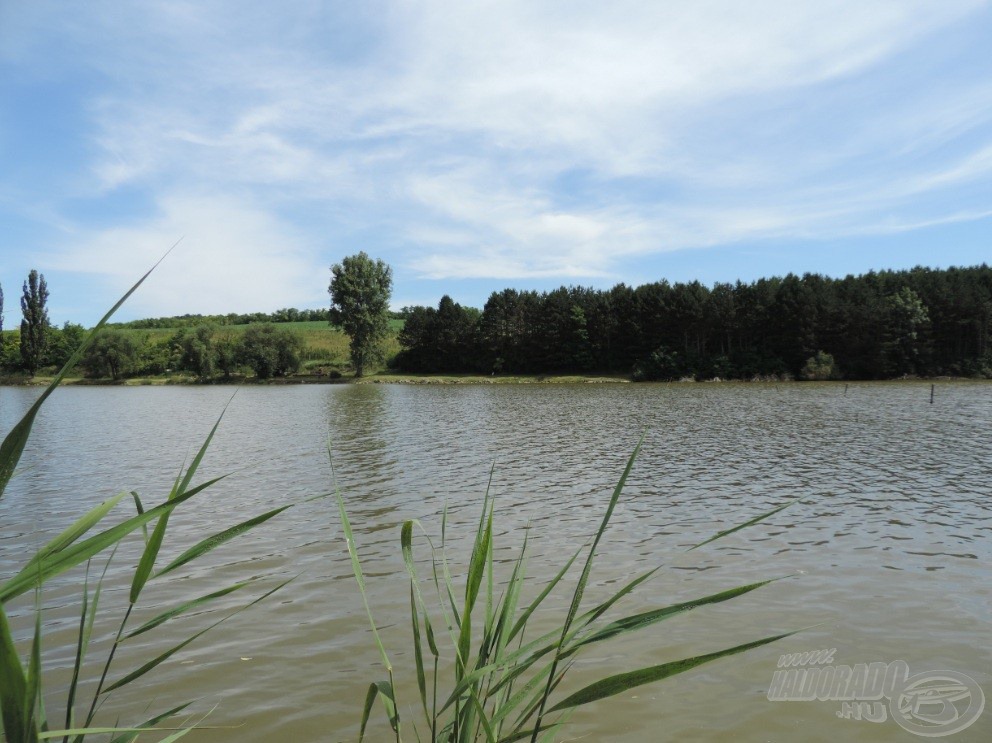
(886, 557)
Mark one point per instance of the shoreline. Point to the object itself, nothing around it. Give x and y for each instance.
(435, 379)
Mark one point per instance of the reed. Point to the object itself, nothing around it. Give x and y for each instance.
(98, 535)
(478, 677)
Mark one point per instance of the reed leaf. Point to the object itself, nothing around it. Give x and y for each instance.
(79, 552)
(158, 660)
(484, 721)
(140, 508)
(384, 691)
(133, 734)
(418, 654)
(185, 607)
(86, 619)
(34, 710)
(15, 441)
(752, 522)
(76, 530)
(49, 734)
(584, 576)
(216, 540)
(483, 699)
(647, 618)
(548, 588)
(622, 682)
(13, 687)
(154, 543)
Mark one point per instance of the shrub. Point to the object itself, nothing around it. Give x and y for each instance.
(195, 350)
(270, 351)
(662, 365)
(820, 368)
(113, 354)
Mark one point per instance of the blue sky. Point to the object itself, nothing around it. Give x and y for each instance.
(479, 145)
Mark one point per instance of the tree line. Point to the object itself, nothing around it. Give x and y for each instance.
(287, 314)
(881, 324)
(885, 324)
(197, 347)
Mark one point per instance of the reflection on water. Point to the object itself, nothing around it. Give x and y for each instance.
(888, 550)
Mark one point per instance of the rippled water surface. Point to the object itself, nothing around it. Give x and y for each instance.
(887, 555)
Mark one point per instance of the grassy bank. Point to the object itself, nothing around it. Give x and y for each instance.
(318, 377)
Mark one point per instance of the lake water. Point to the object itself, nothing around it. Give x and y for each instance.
(888, 552)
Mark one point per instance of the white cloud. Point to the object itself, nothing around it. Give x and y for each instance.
(449, 130)
(232, 257)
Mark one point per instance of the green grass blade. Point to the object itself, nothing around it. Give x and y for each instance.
(477, 567)
(644, 619)
(418, 653)
(521, 734)
(87, 619)
(15, 441)
(148, 556)
(154, 544)
(580, 586)
(622, 682)
(525, 617)
(584, 577)
(216, 540)
(484, 721)
(406, 546)
(138, 673)
(512, 598)
(527, 691)
(80, 652)
(76, 530)
(746, 524)
(195, 464)
(34, 710)
(356, 568)
(384, 691)
(465, 682)
(81, 551)
(132, 735)
(176, 735)
(140, 508)
(80, 732)
(185, 607)
(13, 686)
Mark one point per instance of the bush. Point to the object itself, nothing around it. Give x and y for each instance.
(113, 354)
(270, 351)
(195, 350)
(62, 343)
(153, 358)
(662, 365)
(820, 368)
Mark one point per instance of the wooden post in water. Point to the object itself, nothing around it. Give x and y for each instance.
(845, 390)
(931, 394)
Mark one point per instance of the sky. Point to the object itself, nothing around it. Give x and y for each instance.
(475, 146)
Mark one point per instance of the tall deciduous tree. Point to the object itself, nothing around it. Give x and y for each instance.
(34, 326)
(1, 309)
(360, 289)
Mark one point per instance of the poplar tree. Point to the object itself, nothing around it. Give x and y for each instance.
(360, 289)
(34, 326)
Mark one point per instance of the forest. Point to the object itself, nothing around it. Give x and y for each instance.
(879, 325)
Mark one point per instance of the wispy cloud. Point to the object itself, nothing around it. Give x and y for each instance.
(230, 256)
(514, 139)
